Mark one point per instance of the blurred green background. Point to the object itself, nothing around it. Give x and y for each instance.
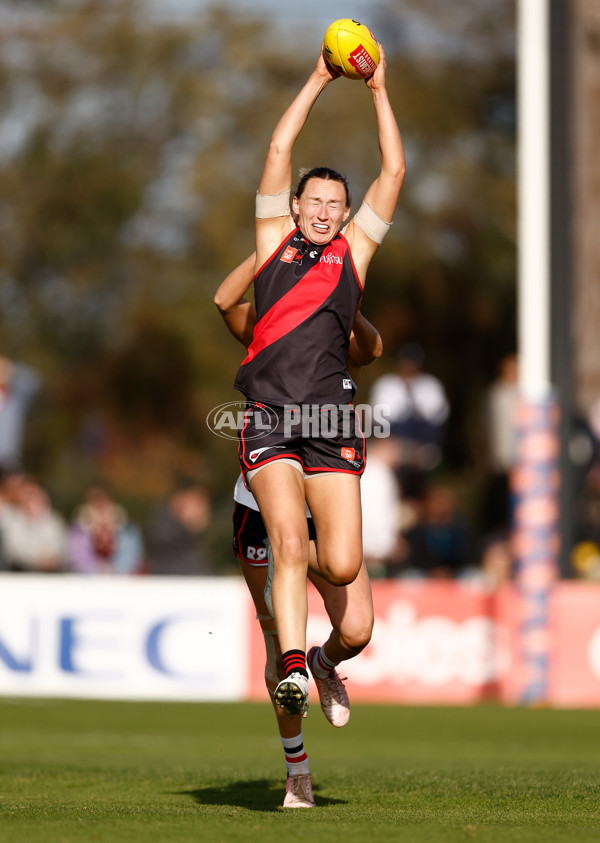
(131, 145)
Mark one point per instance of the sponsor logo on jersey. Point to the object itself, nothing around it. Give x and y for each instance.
(329, 259)
(348, 453)
(289, 254)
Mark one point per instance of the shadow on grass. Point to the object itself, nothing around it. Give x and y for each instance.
(255, 795)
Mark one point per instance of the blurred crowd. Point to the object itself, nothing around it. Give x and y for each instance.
(413, 524)
(100, 537)
(416, 524)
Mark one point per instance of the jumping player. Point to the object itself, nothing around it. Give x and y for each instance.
(350, 608)
(308, 285)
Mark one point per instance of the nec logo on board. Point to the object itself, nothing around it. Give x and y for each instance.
(289, 254)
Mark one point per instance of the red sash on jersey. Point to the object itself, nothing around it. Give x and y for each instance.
(301, 301)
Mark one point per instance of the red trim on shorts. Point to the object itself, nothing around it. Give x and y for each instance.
(364, 441)
(255, 564)
(334, 470)
(244, 519)
(252, 562)
(274, 459)
(242, 445)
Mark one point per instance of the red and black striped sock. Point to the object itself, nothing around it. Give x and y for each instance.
(294, 661)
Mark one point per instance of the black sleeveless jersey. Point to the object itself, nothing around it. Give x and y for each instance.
(306, 298)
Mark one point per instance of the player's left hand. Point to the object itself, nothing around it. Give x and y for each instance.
(377, 80)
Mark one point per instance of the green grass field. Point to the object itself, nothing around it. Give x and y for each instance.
(94, 771)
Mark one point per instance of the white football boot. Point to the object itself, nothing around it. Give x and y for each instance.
(292, 694)
(332, 694)
(298, 792)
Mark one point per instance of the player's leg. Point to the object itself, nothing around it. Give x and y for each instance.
(298, 793)
(334, 501)
(298, 789)
(333, 465)
(279, 491)
(249, 533)
(350, 609)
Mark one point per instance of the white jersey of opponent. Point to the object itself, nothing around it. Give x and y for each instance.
(244, 497)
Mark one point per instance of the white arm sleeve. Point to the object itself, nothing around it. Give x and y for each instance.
(269, 206)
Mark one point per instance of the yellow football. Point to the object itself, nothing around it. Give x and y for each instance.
(351, 49)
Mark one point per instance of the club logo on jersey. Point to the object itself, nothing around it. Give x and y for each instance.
(347, 383)
(289, 254)
(350, 455)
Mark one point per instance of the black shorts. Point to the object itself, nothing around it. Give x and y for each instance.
(249, 534)
(327, 438)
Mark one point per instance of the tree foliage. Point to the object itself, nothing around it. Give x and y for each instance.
(130, 151)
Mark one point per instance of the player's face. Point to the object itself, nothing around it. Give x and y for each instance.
(321, 210)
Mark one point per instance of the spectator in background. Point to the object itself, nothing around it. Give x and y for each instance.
(438, 543)
(381, 508)
(102, 539)
(500, 408)
(418, 409)
(18, 386)
(500, 420)
(175, 533)
(33, 534)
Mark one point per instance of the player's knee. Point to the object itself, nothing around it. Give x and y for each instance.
(356, 634)
(341, 570)
(339, 578)
(290, 550)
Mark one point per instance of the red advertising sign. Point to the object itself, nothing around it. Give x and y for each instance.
(457, 644)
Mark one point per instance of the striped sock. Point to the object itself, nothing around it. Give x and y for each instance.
(296, 759)
(321, 666)
(294, 661)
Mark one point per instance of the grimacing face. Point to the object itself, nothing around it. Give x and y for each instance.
(321, 210)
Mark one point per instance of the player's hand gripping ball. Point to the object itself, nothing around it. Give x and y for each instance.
(351, 49)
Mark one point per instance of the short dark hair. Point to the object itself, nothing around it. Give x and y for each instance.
(323, 173)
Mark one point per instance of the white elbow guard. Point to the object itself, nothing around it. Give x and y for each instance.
(374, 227)
(273, 206)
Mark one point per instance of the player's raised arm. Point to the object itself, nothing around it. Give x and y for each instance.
(366, 230)
(273, 219)
(239, 313)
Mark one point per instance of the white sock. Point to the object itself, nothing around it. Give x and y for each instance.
(321, 666)
(296, 759)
